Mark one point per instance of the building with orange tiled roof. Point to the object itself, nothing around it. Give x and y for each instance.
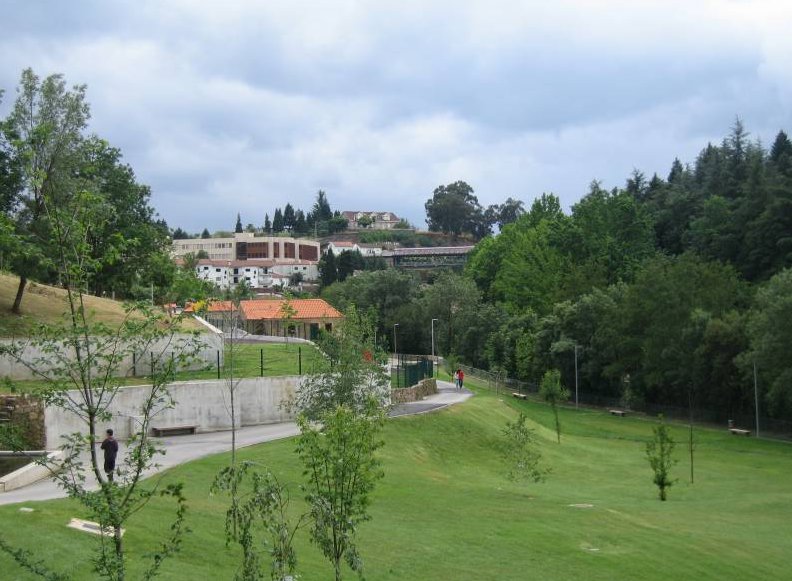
(304, 319)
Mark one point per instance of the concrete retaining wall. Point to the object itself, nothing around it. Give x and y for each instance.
(204, 404)
(140, 364)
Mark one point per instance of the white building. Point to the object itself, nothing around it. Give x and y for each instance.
(344, 246)
(227, 274)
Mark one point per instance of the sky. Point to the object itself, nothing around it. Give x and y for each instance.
(241, 106)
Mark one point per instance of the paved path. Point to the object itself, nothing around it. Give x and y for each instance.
(181, 449)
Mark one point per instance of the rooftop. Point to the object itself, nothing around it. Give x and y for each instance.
(303, 309)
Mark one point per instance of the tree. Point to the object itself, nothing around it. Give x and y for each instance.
(82, 366)
(321, 211)
(130, 243)
(45, 129)
(180, 234)
(238, 227)
(452, 209)
(264, 511)
(277, 221)
(347, 263)
(365, 221)
(342, 469)
(288, 217)
(554, 393)
(509, 212)
(520, 453)
(351, 375)
(267, 224)
(300, 226)
(659, 453)
(328, 271)
(770, 333)
(205, 234)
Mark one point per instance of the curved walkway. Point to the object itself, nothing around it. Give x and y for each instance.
(181, 449)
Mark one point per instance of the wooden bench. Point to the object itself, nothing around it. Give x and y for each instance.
(173, 430)
(739, 432)
(520, 395)
(620, 413)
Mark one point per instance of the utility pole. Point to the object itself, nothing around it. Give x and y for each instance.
(576, 377)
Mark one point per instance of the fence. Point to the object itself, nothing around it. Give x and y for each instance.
(767, 426)
(408, 370)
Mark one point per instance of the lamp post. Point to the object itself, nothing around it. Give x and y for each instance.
(395, 355)
(433, 351)
(576, 377)
(394, 338)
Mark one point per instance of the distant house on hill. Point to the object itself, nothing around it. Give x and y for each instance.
(373, 220)
(302, 318)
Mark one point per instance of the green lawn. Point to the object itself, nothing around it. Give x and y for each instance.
(279, 359)
(445, 511)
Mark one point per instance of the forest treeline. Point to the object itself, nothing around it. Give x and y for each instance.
(672, 287)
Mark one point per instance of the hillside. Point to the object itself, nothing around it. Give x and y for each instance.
(46, 304)
(446, 511)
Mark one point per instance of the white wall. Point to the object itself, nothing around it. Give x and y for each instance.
(210, 343)
(204, 404)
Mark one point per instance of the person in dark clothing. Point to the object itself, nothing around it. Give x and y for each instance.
(110, 447)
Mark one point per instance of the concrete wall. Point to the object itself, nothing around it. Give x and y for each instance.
(210, 344)
(204, 404)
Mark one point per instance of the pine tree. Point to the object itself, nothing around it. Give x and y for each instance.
(238, 228)
(277, 221)
(288, 217)
(300, 226)
(205, 234)
(267, 224)
(328, 271)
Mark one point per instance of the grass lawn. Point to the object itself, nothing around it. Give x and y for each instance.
(445, 511)
(279, 359)
(47, 304)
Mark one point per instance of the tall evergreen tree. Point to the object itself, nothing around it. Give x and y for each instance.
(238, 227)
(205, 234)
(328, 270)
(288, 217)
(277, 221)
(267, 224)
(321, 208)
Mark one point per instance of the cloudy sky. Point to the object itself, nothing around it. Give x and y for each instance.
(242, 106)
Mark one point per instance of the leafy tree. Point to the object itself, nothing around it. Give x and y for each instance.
(342, 470)
(205, 234)
(520, 453)
(659, 453)
(337, 223)
(554, 393)
(277, 221)
(351, 375)
(45, 129)
(238, 227)
(365, 221)
(262, 512)
(347, 263)
(452, 209)
(509, 212)
(770, 333)
(81, 367)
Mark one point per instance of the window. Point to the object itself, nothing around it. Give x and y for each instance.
(217, 270)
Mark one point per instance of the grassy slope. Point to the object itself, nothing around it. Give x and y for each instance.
(444, 511)
(46, 304)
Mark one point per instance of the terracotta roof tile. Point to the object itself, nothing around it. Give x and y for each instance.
(304, 309)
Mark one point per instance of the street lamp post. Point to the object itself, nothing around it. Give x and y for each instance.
(576, 377)
(394, 338)
(433, 351)
(395, 353)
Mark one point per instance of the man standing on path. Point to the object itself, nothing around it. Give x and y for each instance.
(110, 447)
(461, 378)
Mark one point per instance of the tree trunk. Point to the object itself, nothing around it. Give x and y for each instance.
(20, 291)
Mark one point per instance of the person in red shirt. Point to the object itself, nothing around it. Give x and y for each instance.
(460, 378)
